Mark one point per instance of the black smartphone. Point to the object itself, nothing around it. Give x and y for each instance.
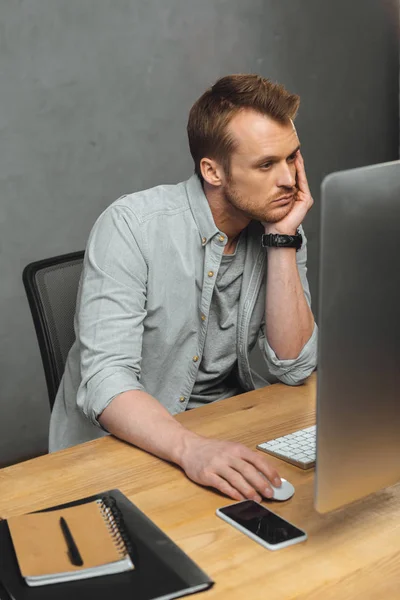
(261, 524)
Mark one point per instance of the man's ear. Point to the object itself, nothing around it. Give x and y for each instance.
(211, 171)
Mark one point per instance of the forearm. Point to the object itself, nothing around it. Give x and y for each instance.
(231, 468)
(289, 320)
(138, 418)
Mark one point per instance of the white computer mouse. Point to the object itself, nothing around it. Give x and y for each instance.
(284, 492)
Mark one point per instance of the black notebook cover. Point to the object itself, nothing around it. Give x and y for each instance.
(162, 570)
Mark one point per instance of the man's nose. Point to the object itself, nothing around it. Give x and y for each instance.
(286, 175)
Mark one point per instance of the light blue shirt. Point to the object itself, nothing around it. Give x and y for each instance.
(144, 298)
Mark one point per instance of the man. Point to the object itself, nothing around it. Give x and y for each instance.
(179, 284)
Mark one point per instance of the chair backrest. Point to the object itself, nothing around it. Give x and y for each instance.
(51, 286)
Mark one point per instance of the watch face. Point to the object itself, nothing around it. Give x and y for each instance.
(284, 240)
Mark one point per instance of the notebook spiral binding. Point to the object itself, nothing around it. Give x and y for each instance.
(116, 525)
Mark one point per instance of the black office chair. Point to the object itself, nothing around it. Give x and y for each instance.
(51, 286)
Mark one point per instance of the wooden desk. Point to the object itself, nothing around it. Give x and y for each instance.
(352, 554)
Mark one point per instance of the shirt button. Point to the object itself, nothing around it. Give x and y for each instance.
(203, 317)
(203, 240)
(195, 358)
(210, 273)
(182, 398)
(221, 238)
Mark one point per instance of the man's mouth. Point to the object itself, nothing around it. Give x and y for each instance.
(284, 199)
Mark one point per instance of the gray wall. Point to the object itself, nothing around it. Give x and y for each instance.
(94, 97)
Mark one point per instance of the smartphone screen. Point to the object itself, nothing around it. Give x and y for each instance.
(261, 522)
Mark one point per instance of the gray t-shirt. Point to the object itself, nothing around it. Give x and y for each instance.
(216, 378)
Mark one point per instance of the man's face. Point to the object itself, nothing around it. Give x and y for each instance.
(262, 178)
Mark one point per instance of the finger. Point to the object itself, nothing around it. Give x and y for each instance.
(256, 479)
(301, 175)
(301, 172)
(262, 465)
(224, 487)
(235, 478)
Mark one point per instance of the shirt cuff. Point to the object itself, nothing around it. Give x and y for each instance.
(94, 396)
(295, 370)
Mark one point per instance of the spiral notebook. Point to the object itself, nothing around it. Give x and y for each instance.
(43, 549)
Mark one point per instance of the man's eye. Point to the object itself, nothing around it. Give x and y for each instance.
(292, 157)
(266, 165)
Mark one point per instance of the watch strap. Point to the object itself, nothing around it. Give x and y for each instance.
(278, 240)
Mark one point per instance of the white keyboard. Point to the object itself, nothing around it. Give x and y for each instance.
(297, 448)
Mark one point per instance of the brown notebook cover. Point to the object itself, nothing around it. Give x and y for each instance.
(42, 550)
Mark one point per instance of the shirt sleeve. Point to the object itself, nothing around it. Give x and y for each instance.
(294, 371)
(110, 311)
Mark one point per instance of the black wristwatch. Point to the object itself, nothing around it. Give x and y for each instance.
(277, 240)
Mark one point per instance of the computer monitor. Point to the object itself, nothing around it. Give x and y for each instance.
(358, 382)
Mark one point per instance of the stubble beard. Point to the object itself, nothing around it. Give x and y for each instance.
(266, 214)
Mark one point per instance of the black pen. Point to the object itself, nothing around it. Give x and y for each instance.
(73, 552)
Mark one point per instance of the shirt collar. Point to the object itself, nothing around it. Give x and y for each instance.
(200, 209)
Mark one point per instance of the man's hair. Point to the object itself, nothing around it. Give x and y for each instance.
(211, 114)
